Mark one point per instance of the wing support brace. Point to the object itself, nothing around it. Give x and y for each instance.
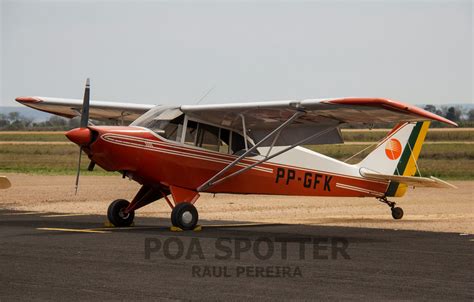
(217, 178)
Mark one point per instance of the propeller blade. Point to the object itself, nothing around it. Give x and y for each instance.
(91, 166)
(84, 124)
(85, 105)
(78, 169)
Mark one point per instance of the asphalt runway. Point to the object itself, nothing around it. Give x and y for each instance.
(67, 257)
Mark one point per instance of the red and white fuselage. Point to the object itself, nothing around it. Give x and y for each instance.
(150, 159)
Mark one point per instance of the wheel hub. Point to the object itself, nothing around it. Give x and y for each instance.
(187, 217)
(123, 215)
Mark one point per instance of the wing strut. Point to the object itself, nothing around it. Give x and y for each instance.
(211, 181)
(245, 132)
(216, 179)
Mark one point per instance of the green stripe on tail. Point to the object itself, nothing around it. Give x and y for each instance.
(404, 159)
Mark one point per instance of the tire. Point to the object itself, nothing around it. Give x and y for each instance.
(397, 213)
(116, 216)
(173, 218)
(185, 216)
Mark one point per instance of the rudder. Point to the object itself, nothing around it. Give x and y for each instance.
(397, 154)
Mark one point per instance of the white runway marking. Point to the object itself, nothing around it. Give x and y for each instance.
(64, 215)
(22, 213)
(73, 230)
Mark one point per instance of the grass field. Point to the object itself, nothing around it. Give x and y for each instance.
(451, 159)
(349, 135)
(434, 135)
(57, 136)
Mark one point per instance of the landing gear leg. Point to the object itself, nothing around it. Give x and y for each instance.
(121, 212)
(397, 213)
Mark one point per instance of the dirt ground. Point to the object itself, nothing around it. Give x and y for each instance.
(441, 210)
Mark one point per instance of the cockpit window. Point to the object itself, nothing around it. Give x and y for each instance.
(190, 135)
(238, 143)
(197, 134)
(208, 137)
(173, 128)
(167, 128)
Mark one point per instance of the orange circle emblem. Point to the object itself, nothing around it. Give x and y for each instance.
(393, 149)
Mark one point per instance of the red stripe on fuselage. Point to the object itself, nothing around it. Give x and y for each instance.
(153, 160)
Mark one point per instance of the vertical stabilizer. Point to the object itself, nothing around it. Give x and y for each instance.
(397, 154)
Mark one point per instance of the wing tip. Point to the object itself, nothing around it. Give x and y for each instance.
(396, 105)
(27, 100)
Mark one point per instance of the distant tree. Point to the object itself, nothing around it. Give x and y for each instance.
(453, 114)
(13, 116)
(434, 109)
(430, 108)
(471, 115)
(74, 122)
(27, 122)
(57, 121)
(4, 122)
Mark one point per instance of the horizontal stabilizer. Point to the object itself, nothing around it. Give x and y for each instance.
(409, 180)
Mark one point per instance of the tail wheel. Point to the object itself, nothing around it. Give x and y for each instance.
(184, 216)
(116, 214)
(397, 213)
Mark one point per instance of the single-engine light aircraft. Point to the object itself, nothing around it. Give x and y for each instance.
(244, 148)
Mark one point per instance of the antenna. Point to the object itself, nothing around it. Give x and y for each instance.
(206, 94)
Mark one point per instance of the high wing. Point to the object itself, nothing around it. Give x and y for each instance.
(263, 117)
(409, 180)
(260, 118)
(99, 110)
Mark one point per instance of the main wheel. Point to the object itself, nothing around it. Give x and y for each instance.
(116, 215)
(173, 218)
(397, 213)
(184, 216)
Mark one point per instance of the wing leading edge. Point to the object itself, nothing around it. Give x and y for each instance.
(99, 110)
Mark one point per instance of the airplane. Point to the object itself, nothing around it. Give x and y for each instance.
(244, 148)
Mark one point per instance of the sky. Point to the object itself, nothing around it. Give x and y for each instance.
(173, 52)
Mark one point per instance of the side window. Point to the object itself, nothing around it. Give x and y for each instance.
(168, 129)
(224, 136)
(171, 131)
(238, 143)
(208, 137)
(212, 138)
(191, 131)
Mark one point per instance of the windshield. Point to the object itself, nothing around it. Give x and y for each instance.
(164, 120)
(168, 122)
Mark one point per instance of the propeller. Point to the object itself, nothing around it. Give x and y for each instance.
(85, 105)
(84, 124)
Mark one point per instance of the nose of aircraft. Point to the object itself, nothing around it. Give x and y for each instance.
(80, 136)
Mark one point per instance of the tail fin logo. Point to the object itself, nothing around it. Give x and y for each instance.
(393, 149)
